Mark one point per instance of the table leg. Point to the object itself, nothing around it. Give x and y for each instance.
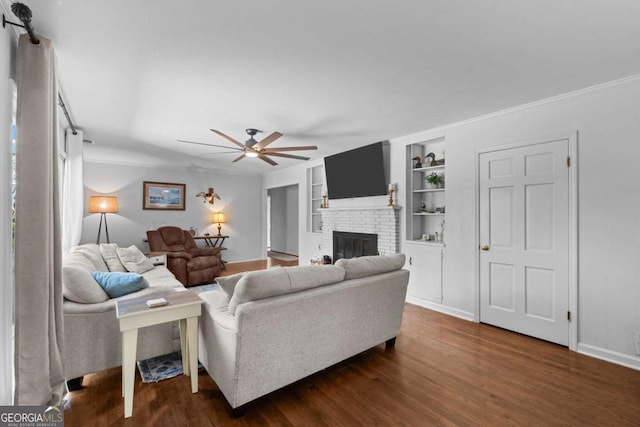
(184, 347)
(192, 341)
(124, 351)
(129, 347)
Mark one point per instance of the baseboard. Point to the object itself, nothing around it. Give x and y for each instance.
(230, 261)
(440, 308)
(281, 252)
(625, 360)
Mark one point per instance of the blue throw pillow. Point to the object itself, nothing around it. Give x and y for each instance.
(117, 284)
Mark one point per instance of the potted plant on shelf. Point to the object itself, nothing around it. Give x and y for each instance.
(435, 180)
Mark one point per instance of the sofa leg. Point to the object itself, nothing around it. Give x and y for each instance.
(238, 412)
(390, 343)
(74, 384)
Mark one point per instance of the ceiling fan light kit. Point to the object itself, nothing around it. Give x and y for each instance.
(255, 148)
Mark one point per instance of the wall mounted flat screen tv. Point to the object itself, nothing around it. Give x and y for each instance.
(356, 173)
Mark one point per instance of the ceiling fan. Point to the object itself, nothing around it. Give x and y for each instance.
(255, 148)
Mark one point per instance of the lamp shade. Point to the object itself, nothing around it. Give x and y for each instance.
(103, 204)
(218, 218)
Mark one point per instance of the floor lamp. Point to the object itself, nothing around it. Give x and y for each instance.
(103, 205)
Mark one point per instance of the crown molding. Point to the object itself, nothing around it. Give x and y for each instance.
(440, 131)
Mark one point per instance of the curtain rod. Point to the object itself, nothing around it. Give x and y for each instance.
(23, 13)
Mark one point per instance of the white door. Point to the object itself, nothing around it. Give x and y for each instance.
(524, 240)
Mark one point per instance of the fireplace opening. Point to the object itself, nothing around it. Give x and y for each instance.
(353, 245)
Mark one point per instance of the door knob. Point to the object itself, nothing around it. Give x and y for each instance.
(484, 247)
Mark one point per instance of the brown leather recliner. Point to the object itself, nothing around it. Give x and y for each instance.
(190, 264)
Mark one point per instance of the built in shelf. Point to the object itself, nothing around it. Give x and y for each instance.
(425, 243)
(428, 190)
(428, 213)
(428, 168)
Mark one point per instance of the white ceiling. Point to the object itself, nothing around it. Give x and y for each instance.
(139, 75)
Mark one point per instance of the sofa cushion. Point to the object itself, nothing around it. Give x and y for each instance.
(312, 276)
(77, 283)
(79, 261)
(257, 285)
(228, 283)
(161, 276)
(91, 251)
(109, 253)
(369, 265)
(134, 260)
(117, 283)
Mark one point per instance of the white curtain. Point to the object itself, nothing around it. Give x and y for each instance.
(72, 191)
(38, 279)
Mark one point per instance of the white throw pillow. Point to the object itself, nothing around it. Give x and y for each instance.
(91, 251)
(134, 260)
(228, 283)
(109, 253)
(78, 285)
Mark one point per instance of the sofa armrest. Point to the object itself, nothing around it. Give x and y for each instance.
(71, 307)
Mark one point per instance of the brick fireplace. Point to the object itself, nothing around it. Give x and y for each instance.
(382, 221)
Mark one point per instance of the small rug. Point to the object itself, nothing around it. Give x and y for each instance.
(204, 288)
(161, 367)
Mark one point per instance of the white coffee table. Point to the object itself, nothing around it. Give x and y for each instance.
(133, 314)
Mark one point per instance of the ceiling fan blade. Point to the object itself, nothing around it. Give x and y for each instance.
(266, 159)
(209, 145)
(242, 156)
(215, 154)
(228, 138)
(306, 147)
(288, 156)
(268, 140)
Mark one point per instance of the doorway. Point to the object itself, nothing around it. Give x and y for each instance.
(525, 204)
(283, 221)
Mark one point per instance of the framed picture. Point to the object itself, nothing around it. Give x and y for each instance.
(163, 196)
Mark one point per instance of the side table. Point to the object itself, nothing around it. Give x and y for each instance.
(158, 258)
(133, 314)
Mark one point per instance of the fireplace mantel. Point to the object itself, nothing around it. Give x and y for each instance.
(360, 208)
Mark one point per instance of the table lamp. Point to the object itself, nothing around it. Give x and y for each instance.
(103, 205)
(219, 218)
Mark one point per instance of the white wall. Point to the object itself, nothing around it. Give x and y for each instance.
(284, 219)
(608, 121)
(241, 202)
(7, 68)
(309, 244)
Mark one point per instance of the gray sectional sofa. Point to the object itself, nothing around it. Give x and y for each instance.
(92, 335)
(267, 329)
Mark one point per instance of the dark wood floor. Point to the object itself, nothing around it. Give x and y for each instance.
(442, 371)
(237, 267)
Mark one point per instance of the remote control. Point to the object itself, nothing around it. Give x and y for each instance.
(157, 302)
